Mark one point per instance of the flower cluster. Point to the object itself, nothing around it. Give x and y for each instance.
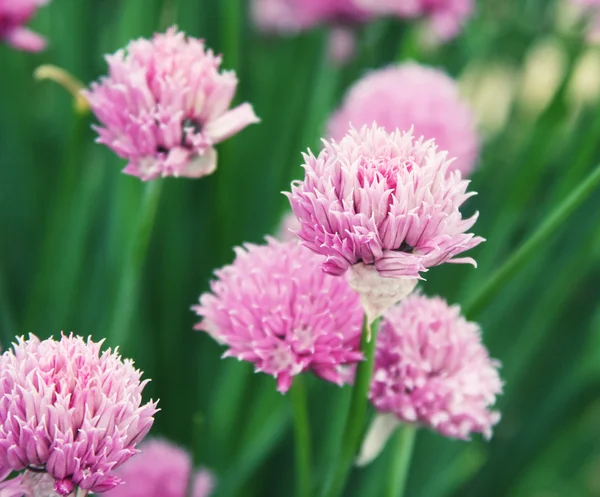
(14, 14)
(165, 105)
(289, 16)
(70, 410)
(431, 368)
(411, 95)
(161, 470)
(446, 17)
(382, 199)
(275, 308)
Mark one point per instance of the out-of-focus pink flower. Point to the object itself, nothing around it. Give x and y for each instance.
(412, 95)
(165, 105)
(290, 16)
(161, 469)
(288, 227)
(431, 368)
(342, 44)
(14, 14)
(591, 9)
(275, 308)
(70, 410)
(383, 199)
(446, 17)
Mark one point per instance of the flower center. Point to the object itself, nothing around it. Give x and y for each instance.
(389, 170)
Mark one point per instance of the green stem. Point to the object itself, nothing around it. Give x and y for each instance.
(355, 420)
(403, 449)
(127, 295)
(302, 434)
(522, 256)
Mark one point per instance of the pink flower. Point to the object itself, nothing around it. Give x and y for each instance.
(70, 410)
(160, 470)
(13, 15)
(431, 368)
(275, 308)
(383, 200)
(13, 487)
(446, 17)
(412, 95)
(165, 105)
(290, 16)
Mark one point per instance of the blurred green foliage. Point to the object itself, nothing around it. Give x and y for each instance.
(69, 215)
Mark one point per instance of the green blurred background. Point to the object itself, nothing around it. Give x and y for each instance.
(69, 219)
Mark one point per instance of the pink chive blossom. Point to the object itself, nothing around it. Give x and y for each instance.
(275, 308)
(291, 16)
(70, 410)
(431, 368)
(161, 469)
(383, 204)
(164, 105)
(446, 17)
(14, 14)
(408, 95)
(13, 487)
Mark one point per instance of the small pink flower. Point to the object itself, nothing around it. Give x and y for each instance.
(382, 199)
(161, 469)
(13, 487)
(290, 16)
(431, 368)
(165, 105)
(411, 95)
(70, 410)
(275, 308)
(14, 14)
(446, 17)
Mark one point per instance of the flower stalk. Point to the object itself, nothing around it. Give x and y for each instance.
(302, 435)
(403, 448)
(355, 420)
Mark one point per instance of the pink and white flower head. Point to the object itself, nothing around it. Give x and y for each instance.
(161, 469)
(70, 410)
(291, 16)
(385, 205)
(14, 14)
(431, 368)
(446, 17)
(165, 105)
(275, 308)
(408, 95)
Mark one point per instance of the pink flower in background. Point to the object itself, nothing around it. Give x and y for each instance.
(288, 228)
(165, 105)
(13, 487)
(431, 368)
(275, 308)
(446, 17)
(14, 14)
(382, 199)
(290, 16)
(161, 469)
(70, 410)
(411, 95)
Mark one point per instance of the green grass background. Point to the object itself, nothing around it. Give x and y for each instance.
(69, 218)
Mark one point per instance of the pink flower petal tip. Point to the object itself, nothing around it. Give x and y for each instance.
(411, 95)
(70, 410)
(274, 307)
(431, 368)
(165, 104)
(161, 469)
(14, 14)
(385, 200)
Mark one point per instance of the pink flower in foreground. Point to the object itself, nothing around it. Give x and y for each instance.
(14, 14)
(384, 205)
(165, 105)
(412, 95)
(161, 469)
(70, 410)
(275, 308)
(446, 17)
(431, 368)
(290, 16)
